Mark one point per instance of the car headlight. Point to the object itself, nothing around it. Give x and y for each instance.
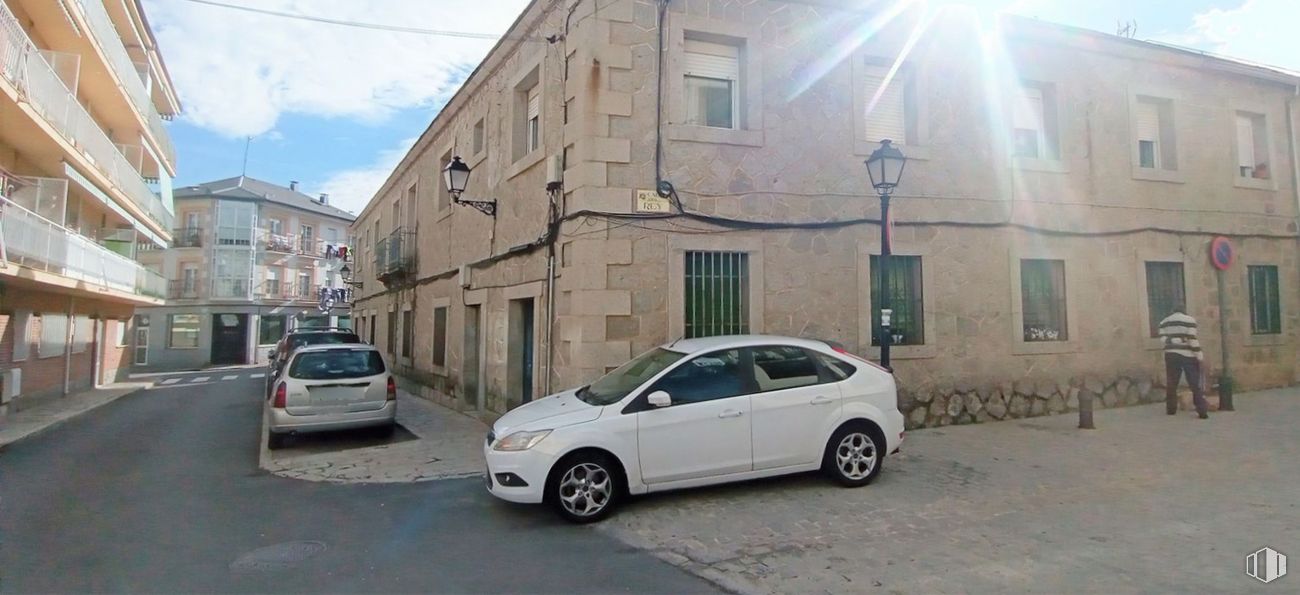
(521, 440)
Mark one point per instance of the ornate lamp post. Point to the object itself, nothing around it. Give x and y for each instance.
(345, 274)
(456, 177)
(885, 167)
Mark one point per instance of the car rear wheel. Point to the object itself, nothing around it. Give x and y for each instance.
(854, 455)
(583, 488)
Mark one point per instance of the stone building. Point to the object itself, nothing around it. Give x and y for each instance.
(1062, 188)
(85, 176)
(247, 264)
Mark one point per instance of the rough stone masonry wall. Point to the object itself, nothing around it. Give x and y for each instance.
(968, 404)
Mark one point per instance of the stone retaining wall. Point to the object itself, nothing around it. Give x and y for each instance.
(965, 404)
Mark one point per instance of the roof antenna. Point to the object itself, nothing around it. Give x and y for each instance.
(1126, 29)
(243, 171)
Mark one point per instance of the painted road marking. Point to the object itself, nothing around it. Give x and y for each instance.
(231, 377)
(259, 375)
(170, 381)
(201, 379)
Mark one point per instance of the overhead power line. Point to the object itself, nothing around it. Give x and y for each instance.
(357, 24)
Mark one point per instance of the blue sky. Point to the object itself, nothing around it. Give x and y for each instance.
(335, 108)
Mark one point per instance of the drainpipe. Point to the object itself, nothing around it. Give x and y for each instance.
(1291, 144)
(1291, 106)
(67, 347)
(97, 331)
(550, 319)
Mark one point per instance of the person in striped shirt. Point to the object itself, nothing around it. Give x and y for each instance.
(1182, 357)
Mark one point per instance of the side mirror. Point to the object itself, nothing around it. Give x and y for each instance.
(270, 354)
(660, 399)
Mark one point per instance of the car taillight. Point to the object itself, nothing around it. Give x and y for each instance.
(392, 389)
(281, 396)
(843, 351)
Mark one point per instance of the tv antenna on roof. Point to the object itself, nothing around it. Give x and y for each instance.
(1124, 29)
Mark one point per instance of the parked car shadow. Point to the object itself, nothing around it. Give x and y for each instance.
(320, 442)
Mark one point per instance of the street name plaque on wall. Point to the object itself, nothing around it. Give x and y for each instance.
(649, 201)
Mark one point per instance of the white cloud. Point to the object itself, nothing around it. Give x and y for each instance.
(237, 72)
(1257, 30)
(351, 189)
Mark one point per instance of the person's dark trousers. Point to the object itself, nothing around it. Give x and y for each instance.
(1175, 367)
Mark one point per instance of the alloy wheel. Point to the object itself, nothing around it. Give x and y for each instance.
(856, 456)
(585, 489)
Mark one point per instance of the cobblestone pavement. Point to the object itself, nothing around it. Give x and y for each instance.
(439, 444)
(1145, 503)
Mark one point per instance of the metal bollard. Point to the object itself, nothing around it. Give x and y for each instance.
(1085, 411)
(1225, 393)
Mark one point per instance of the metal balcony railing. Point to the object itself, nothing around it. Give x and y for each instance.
(22, 64)
(183, 289)
(274, 289)
(38, 243)
(291, 243)
(277, 242)
(395, 253)
(128, 72)
(187, 237)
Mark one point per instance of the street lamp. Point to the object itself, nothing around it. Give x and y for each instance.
(885, 167)
(456, 177)
(345, 274)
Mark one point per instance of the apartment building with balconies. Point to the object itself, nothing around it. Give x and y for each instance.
(85, 179)
(249, 260)
(679, 169)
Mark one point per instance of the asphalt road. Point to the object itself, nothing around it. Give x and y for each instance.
(160, 492)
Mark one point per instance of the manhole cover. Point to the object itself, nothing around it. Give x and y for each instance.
(279, 556)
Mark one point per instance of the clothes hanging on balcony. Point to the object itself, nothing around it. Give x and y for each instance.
(339, 252)
(335, 294)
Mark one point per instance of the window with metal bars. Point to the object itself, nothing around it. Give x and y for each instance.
(1042, 299)
(1165, 292)
(1265, 305)
(716, 293)
(907, 324)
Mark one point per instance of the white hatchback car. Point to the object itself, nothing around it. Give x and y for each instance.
(693, 413)
(330, 387)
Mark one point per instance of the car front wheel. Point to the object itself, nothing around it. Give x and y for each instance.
(853, 455)
(583, 488)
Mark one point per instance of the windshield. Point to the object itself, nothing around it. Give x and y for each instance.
(337, 363)
(615, 385)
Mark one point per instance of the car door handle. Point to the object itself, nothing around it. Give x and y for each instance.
(731, 413)
(820, 401)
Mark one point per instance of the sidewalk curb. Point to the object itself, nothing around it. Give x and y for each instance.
(59, 420)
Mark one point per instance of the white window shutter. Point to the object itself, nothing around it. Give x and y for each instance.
(1245, 142)
(534, 104)
(54, 334)
(1148, 121)
(1029, 109)
(711, 60)
(887, 119)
